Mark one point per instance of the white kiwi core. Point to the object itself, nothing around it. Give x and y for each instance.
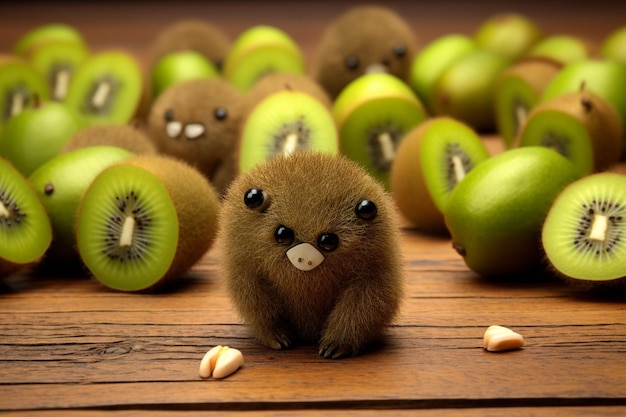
(101, 95)
(459, 169)
(291, 143)
(387, 147)
(128, 229)
(61, 83)
(17, 104)
(599, 228)
(4, 213)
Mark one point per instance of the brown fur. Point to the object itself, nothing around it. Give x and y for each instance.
(123, 136)
(368, 33)
(195, 101)
(345, 303)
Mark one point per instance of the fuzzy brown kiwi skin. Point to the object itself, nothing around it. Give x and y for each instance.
(345, 303)
(197, 207)
(599, 119)
(200, 101)
(128, 137)
(370, 34)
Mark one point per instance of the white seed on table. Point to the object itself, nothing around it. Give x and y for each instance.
(499, 339)
(220, 362)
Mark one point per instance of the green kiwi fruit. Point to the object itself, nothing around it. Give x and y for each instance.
(518, 90)
(582, 126)
(196, 35)
(25, 230)
(509, 34)
(261, 50)
(562, 48)
(20, 82)
(58, 61)
(107, 88)
(373, 113)
(198, 121)
(129, 137)
(145, 221)
(280, 81)
(38, 134)
(465, 90)
(60, 184)
(179, 66)
(583, 234)
(42, 34)
(495, 214)
(363, 39)
(433, 59)
(431, 160)
(613, 46)
(285, 122)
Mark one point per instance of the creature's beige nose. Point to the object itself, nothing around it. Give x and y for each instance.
(305, 256)
(376, 68)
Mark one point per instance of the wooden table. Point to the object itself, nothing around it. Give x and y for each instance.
(70, 347)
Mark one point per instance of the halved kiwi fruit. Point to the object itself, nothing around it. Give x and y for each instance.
(582, 126)
(431, 160)
(25, 230)
(128, 137)
(286, 122)
(145, 221)
(373, 113)
(517, 91)
(58, 61)
(584, 233)
(107, 88)
(20, 82)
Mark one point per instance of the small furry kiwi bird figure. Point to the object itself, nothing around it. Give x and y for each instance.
(312, 253)
(363, 39)
(198, 121)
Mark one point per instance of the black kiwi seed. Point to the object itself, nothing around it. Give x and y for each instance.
(558, 143)
(102, 105)
(615, 214)
(15, 215)
(48, 189)
(378, 155)
(284, 139)
(452, 150)
(129, 205)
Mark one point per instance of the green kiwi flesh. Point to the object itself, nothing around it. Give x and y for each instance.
(584, 233)
(25, 230)
(20, 82)
(106, 88)
(121, 200)
(284, 122)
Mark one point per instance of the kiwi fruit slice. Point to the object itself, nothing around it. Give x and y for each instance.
(373, 113)
(518, 90)
(58, 61)
(508, 34)
(60, 184)
(106, 88)
(197, 35)
(25, 230)
(364, 39)
(20, 82)
(584, 232)
(42, 34)
(431, 160)
(582, 126)
(466, 89)
(261, 50)
(145, 221)
(495, 214)
(285, 122)
(129, 137)
(199, 121)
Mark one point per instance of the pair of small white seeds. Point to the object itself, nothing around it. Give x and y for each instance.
(499, 339)
(220, 362)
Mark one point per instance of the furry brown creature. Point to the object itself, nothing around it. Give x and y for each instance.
(312, 255)
(198, 121)
(363, 39)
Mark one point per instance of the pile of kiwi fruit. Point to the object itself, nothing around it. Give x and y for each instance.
(163, 137)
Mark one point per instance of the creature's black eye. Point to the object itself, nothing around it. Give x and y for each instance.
(220, 113)
(399, 50)
(168, 115)
(219, 64)
(328, 241)
(366, 209)
(352, 62)
(255, 198)
(284, 235)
